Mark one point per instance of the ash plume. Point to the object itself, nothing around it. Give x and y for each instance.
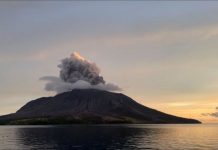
(77, 73)
(77, 68)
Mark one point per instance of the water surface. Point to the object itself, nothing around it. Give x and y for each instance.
(100, 137)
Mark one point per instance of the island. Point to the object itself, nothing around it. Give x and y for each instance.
(89, 106)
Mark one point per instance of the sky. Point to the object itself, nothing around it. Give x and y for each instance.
(162, 54)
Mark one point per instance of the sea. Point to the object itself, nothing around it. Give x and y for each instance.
(110, 137)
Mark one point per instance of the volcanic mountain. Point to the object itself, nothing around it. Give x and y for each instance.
(88, 106)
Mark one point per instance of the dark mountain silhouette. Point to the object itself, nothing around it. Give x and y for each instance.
(88, 106)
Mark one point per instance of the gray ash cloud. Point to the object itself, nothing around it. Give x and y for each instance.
(77, 68)
(77, 73)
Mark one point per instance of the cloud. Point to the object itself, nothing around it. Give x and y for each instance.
(77, 73)
(214, 114)
(77, 68)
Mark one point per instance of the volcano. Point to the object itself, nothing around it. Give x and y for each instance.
(88, 106)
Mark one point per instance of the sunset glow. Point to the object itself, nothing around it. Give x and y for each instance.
(77, 55)
(161, 54)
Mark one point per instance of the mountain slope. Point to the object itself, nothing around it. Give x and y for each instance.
(88, 106)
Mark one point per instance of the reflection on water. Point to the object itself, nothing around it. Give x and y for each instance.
(163, 137)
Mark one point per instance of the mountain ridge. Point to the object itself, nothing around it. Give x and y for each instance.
(88, 106)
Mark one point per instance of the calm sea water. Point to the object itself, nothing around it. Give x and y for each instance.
(100, 137)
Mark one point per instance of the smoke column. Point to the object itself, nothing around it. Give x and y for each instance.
(77, 73)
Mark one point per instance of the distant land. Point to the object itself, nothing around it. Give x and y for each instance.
(89, 106)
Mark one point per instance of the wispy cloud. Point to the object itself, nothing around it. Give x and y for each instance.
(214, 114)
(162, 36)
